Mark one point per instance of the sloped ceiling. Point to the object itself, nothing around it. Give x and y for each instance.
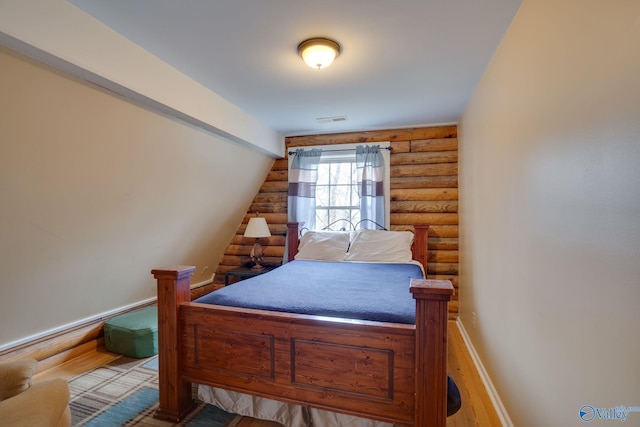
(403, 63)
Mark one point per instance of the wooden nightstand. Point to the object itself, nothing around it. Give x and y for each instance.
(245, 273)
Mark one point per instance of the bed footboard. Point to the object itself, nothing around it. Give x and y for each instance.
(386, 371)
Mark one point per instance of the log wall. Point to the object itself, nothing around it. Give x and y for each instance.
(424, 190)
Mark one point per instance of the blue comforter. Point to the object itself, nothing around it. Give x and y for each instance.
(364, 291)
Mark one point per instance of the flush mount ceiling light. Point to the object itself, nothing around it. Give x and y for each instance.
(319, 52)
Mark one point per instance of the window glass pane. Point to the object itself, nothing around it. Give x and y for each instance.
(323, 174)
(322, 218)
(336, 194)
(342, 173)
(322, 196)
(355, 216)
(340, 195)
(354, 172)
(355, 199)
(337, 214)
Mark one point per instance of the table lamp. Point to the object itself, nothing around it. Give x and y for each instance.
(258, 228)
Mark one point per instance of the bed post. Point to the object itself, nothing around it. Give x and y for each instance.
(420, 244)
(175, 394)
(432, 299)
(293, 239)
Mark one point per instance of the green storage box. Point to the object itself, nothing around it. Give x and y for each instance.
(133, 334)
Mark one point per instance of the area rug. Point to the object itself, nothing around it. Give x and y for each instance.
(124, 392)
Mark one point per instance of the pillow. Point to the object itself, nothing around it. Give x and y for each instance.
(323, 246)
(15, 377)
(380, 246)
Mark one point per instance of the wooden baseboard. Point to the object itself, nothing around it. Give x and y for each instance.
(61, 346)
(65, 344)
(486, 380)
(70, 354)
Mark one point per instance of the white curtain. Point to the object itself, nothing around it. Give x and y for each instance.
(370, 167)
(303, 175)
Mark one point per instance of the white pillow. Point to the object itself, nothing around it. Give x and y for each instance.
(380, 246)
(323, 245)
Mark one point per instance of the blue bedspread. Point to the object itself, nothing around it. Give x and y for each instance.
(365, 291)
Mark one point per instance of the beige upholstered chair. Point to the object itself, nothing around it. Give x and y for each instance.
(25, 404)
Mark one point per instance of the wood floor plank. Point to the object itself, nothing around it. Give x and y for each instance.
(477, 408)
(81, 364)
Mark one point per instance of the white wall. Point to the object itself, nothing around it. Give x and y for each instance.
(550, 212)
(96, 191)
(57, 33)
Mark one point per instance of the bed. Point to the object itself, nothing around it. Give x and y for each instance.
(383, 370)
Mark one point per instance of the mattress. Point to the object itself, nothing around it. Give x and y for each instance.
(353, 290)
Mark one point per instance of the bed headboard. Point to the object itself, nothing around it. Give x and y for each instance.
(419, 247)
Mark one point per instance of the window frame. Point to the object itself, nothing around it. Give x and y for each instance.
(341, 150)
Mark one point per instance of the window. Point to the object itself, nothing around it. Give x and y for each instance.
(333, 192)
(337, 192)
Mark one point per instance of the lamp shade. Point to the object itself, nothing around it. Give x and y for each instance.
(257, 227)
(319, 52)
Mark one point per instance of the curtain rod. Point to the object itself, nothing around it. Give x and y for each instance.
(341, 149)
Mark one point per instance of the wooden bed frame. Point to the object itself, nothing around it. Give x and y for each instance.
(385, 371)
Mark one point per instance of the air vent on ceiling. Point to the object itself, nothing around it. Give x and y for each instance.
(331, 119)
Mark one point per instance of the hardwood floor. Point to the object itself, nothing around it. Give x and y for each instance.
(477, 409)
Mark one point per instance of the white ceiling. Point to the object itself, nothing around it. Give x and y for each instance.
(404, 63)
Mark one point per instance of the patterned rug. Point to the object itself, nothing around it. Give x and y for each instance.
(125, 392)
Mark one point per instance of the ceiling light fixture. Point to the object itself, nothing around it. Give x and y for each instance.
(319, 52)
